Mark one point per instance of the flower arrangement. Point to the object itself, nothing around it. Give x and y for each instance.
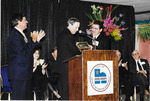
(112, 26)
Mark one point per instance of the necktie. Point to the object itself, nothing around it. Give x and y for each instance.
(140, 68)
(25, 37)
(94, 43)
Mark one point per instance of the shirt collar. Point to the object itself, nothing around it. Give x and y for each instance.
(96, 36)
(138, 60)
(19, 30)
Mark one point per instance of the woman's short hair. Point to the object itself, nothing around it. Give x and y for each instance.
(72, 20)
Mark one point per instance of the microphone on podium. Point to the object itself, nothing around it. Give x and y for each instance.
(85, 34)
(80, 31)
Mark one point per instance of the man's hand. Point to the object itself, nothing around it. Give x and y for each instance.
(40, 35)
(120, 63)
(143, 72)
(91, 47)
(125, 65)
(34, 36)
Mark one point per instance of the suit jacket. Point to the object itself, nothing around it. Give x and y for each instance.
(67, 48)
(20, 56)
(66, 45)
(123, 73)
(104, 42)
(132, 66)
(52, 65)
(52, 69)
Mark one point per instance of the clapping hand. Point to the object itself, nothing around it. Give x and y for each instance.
(125, 65)
(34, 36)
(44, 66)
(37, 36)
(120, 62)
(40, 35)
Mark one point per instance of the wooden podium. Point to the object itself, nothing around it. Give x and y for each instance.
(77, 67)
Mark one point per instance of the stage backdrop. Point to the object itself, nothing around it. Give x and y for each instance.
(52, 15)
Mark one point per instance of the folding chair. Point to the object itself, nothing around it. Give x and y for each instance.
(6, 83)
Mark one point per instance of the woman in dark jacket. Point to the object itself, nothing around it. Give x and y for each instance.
(41, 80)
(39, 75)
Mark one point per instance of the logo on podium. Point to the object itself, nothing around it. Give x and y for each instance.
(100, 77)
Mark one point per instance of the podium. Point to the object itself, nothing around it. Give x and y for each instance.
(79, 77)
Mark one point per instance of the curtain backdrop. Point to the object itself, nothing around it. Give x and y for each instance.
(52, 15)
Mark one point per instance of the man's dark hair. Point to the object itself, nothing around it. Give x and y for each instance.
(98, 23)
(72, 20)
(17, 17)
(52, 51)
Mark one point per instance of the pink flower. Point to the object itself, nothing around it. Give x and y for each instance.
(120, 34)
(88, 31)
(111, 21)
(121, 29)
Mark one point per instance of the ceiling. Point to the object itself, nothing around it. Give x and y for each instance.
(141, 7)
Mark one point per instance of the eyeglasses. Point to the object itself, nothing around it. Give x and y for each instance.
(135, 54)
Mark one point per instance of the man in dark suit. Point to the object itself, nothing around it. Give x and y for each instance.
(139, 69)
(52, 67)
(20, 57)
(100, 40)
(67, 48)
(124, 77)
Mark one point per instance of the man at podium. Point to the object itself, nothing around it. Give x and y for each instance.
(100, 41)
(67, 48)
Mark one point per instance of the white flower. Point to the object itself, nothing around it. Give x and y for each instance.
(40, 62)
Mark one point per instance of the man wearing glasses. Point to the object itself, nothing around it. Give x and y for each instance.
(139, 69)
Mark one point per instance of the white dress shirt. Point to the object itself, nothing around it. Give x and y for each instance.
(137, 67)
(96, 43)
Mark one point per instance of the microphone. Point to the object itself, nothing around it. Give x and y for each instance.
(80, 31)
(84, 34)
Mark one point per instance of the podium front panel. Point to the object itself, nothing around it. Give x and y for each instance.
(75, 79)
(78, 76)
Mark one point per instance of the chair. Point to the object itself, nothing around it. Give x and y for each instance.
(34, 93)
(6, 83)
(121, 90)
(135, 84)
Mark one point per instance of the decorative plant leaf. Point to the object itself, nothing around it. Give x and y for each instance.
(144, 31)
(114, 8)
(89, 16)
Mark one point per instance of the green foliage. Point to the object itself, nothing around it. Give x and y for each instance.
(144, 31)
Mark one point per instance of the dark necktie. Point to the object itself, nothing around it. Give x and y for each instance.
(140, 68)
(94, 43)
